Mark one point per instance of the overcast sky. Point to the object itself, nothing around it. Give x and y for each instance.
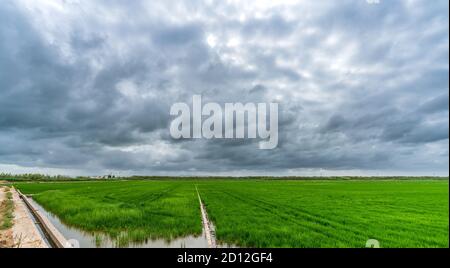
(86, 86)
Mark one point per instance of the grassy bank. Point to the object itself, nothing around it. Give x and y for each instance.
(260, 213)
(6, 210)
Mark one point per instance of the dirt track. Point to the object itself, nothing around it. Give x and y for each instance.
(23, 233)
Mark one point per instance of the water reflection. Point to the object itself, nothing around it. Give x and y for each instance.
(94, 240)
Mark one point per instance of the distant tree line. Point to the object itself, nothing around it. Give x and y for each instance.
(37, 177)
(44, 177)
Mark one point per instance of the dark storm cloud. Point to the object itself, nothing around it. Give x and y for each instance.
(87, 86)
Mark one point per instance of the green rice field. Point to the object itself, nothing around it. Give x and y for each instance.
(257, 212)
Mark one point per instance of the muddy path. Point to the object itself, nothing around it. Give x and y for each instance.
(208, 227)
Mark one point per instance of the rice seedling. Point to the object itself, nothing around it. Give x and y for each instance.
(410, 213)
(257, 213)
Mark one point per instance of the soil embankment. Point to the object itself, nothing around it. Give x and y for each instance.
(208, 227)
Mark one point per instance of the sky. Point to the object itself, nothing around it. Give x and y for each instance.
(362, 86)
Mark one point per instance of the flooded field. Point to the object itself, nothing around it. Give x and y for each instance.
(248, 213)
(98, 240)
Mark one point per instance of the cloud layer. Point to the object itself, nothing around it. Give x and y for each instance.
(86, 86)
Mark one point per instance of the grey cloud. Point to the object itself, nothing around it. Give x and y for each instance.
(275, 27)
(359, 86)
(436, 104)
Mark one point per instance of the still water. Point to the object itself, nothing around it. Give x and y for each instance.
(95, 240)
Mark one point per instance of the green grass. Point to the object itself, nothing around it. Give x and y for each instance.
(329, 213)
(128, 211)
(258, 213)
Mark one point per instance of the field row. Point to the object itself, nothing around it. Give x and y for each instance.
(257, 213)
